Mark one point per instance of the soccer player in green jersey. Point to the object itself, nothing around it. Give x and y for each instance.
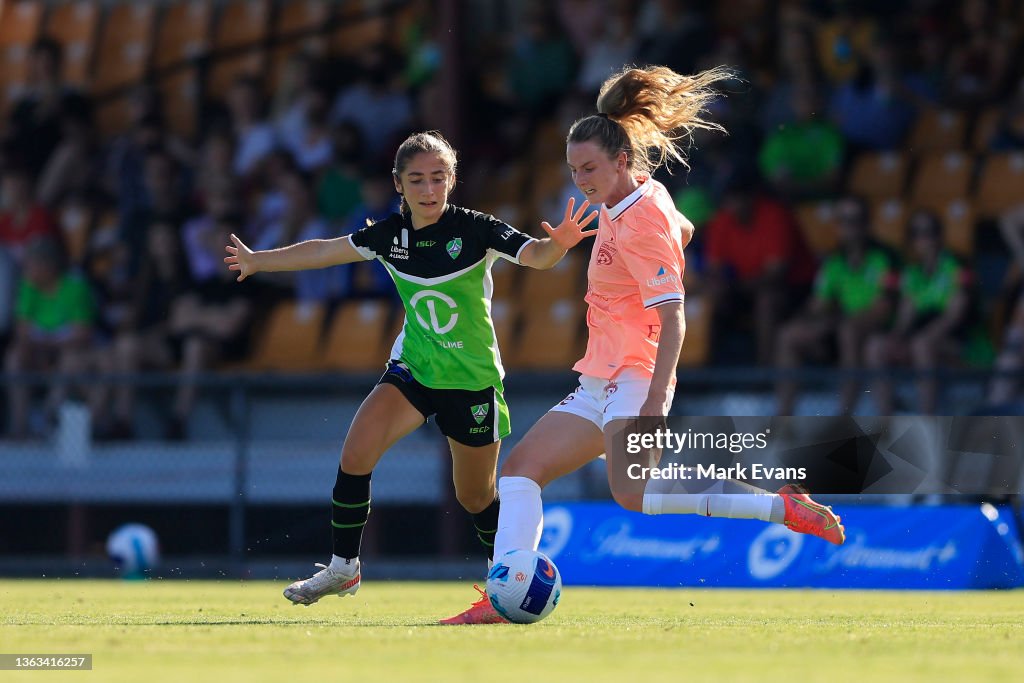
(445, 361)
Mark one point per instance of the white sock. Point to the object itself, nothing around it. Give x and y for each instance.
(344, 565)
(521, 518)
(727, 498)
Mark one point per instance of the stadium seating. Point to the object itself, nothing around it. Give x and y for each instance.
(1000, 183)
(503, 275)
(20, 21)
(353, 37)
(817, 225)
(355, 337)
(73, 25)
(126, 39)
(13, 73)
(564, 281)
(242, 26)
(551, 336)
(503, 315)
(941, 177)
(179, 93)
(889, 223)
(697, 343)
(183, 32)
(938, 130)
(879, 175)
(985, 127)
(298, 16)
(958, 227)
(289, 339)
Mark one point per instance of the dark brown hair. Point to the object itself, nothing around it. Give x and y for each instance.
(432, 142)
(650, 114)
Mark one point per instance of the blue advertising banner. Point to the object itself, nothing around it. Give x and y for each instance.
(923, 547)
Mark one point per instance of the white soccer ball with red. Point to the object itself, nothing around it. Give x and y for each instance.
(524, 586)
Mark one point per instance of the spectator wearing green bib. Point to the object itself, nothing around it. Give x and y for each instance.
(852, 299)
(932, 317)
(54, 315)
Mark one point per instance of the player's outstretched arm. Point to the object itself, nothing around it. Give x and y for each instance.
(545, 253)
(302, 256)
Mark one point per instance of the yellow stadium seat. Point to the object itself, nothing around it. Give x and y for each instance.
(503, 277)
(355, 339)
(242, 23)
(878, 175)
(941, 177)
(889, 223)
(817, 223)
(126, 39)
(564, 281)
(938, 130)
(1000, 185)
(289, 340)
(697, 343)
(179, 93)
(73, 25)
(550, 337)
(20, 21)
(183, 32)
(298, 16)
(227, 70)
(958, 227)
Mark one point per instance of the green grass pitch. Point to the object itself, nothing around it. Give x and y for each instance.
(221, 632)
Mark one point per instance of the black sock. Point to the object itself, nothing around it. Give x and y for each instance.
(349, 510)
(486, 524)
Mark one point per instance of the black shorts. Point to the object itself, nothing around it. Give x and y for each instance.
(472, 418)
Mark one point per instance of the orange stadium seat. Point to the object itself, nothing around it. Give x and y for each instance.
(958, 227)
(697, 343)
(126, 40)
(73, 25)
(226, 70)
(114, 116)
(20, 21)
(878, 175)
(889, 223)
(354, 339)
(354, 36)
(817, 223)
(985, 127)
(289, 339)
(183, 32)
(13, 73)
(179, 93)
(941, 178)
(550, 337)
(564, 281)
(242, 23)
(503, 315)
(1000, 185)
(938, 129)
(298, 16)
(503, 274)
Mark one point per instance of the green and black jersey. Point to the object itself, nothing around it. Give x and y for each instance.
(443, 274)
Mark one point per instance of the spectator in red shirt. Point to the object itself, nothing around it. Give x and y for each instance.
(757, 261)
(22, 220)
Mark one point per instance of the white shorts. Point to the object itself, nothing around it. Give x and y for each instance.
(603, 400)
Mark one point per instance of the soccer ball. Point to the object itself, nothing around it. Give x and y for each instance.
(524, 586)
(134, 550)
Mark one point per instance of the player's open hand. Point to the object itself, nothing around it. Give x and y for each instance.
(240, 258)
(570, 231)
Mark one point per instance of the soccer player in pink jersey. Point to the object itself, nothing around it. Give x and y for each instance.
(634, 318)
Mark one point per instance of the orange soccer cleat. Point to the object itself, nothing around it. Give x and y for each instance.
(804, 516)
(480, 612)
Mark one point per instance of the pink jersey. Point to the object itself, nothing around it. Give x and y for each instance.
(637, 265)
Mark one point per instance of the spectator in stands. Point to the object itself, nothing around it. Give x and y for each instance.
(215, 169)
(874, 109)
(72, 166)
(337, 192)
(542, 62)
(804, 158)
(380, 111)
(931, 320)
(212, 319)
(35, 129)
(611, 44)
(312, 146)
(1005, 387)
(254, 135)
(797, 70)
(755, 258)
(163, 200)
(53, 330)
(853, 299)
(980, 61)
(142, 338)
(22, 219)
(370, 278)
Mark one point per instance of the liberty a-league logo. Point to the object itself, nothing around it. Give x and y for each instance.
(454, 248)
(480, 412)
(400, 250)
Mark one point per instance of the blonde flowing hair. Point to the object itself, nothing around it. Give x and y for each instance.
(650, 114)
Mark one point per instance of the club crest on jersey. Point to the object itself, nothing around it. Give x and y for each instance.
(454, 248)
(480, 412)
(606, 252)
